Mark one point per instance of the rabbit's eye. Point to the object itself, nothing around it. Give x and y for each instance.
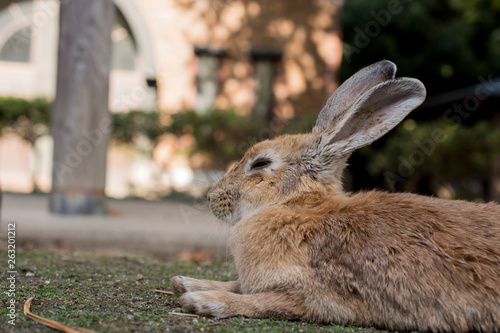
(261, 163)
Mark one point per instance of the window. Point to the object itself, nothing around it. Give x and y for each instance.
(207, 78)
(16, 31)
(124, 48)
(264, 63)
(18, 47)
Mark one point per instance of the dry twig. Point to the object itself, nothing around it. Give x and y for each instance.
(214, 324)
(51, 323)
(182, 314)
(163, 292)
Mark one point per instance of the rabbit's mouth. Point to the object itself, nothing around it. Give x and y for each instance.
(222, 211)
(221, 205)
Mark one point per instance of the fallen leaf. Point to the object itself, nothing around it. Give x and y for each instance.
(113, 211)
(199, 255)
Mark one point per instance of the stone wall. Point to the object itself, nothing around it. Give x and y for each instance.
(305, 33)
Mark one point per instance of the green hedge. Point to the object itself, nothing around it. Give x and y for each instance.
(28, 118)
(437, 145)
(223, 134)
(127, 126)
(411, 154)
(429, 155)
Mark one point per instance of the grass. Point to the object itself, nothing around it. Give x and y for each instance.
(116, 294)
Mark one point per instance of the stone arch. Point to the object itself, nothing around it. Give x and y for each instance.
(13, 22)
(141, 32)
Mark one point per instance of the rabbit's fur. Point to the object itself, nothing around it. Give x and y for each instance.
(304, 249)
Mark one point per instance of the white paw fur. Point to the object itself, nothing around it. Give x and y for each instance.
(204, 303)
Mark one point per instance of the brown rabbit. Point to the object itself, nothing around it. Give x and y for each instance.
(304, 249)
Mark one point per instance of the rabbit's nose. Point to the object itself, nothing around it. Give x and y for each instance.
(220, 195)
(215, 195)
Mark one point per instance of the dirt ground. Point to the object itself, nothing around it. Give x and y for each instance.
(162, 228)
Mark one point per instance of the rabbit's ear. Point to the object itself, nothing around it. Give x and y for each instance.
(349, 92)
(375, 113)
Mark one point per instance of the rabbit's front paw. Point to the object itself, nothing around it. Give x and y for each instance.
(205, 303)
(180, 285)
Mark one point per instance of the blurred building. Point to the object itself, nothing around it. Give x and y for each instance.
(275, 58)
(184, 54)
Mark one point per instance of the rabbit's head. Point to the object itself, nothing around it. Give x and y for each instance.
(293, 167)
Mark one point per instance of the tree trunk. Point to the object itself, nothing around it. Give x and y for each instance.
(81, 123)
